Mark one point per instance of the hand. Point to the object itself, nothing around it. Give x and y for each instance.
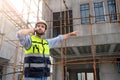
(35, 29)
(74, 33)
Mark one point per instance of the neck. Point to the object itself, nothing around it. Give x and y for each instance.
(39, 36)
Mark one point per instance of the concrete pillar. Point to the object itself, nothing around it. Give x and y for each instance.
(58, 73)
(109, 72)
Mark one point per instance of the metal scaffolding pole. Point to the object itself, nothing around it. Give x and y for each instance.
(15, 60)
(61, 49)
(65, 49)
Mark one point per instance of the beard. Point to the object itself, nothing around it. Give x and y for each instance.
(40, 33)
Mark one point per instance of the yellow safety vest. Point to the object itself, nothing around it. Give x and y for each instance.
(37, 61)
(38, 46)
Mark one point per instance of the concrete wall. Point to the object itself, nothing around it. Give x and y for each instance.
(84, 30)
(109, 72)
(8, 47)
(46, 10)
(104, 32)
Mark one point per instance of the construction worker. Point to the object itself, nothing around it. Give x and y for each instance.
(37, 61)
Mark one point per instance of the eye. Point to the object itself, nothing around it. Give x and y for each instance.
(38, 25)
(42, 26)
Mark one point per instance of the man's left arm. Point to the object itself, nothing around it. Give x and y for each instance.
(58, 39)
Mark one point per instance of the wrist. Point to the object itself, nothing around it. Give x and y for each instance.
(69, 34)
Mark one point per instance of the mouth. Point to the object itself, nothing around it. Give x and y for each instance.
(39, 32)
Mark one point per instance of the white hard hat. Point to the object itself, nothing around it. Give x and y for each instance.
(42, 21)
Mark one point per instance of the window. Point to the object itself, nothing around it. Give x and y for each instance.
(118, 64)
(1, 72)
(99, 12)
(85, 76)
(84, 12)
(19, 76)
(112, 9)
(68, 21)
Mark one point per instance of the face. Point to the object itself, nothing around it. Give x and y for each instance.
(40, 29)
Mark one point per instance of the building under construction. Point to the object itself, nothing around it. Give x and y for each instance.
(93, 55)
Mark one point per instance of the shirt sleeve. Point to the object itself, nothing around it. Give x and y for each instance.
(54, 41)
(25, 40)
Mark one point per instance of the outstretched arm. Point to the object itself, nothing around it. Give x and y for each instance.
(54, 41)
(74, 33)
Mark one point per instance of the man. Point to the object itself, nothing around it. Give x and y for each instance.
(36, 61)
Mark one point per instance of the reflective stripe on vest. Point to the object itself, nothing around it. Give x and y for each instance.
(35, 65)
(36, 55)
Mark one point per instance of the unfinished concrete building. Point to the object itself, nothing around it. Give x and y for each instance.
(93, 55)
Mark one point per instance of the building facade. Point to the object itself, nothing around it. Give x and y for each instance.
(94, 53)
(11, 53)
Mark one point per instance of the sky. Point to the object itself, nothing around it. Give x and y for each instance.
(23, 9)
(18, 4)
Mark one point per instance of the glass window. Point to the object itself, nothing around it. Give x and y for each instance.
(90, 76)
(112, 9)
(85, 76)
(99, 11)
(1, 72)
(81, 76)
(66, 18)
(84, 12)
(19, 76)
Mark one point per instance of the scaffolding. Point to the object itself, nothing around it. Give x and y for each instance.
(84, 60)
(11, 13)
(20, 23)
